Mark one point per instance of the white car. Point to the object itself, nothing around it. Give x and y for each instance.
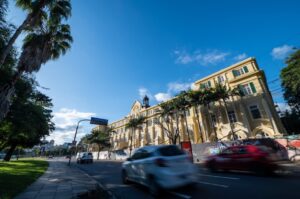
(159, 168)
(84, 157)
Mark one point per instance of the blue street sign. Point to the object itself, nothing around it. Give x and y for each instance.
(98, 121)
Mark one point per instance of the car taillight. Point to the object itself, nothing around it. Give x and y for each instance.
(160, 162)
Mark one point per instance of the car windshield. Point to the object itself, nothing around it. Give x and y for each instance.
(170, 151)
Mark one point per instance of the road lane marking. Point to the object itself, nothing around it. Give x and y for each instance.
(213, 184)
(181, 195)
(212, 176)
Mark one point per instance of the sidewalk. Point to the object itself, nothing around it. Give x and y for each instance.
(59, 182)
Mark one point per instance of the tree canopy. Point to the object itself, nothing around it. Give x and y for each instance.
(290, 77)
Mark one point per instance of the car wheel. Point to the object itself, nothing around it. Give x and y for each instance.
(153, 187)
(125, 177)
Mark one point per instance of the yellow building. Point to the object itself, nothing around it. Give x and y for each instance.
(250, 115)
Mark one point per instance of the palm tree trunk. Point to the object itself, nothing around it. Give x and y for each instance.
(19, 30)
(12, 40)
(230, 123)
(199, 126)
(130, 147)
(6, 93)
(187, 127)
(177, 126)
(99, 149)
(211, 122)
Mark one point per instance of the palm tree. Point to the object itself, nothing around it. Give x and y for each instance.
(194, 98)
(207, 98)
(48, 43)
(133, 124)
(221, 92)
(37, 12)
(101, 138)
(167, 115)
(182, 105)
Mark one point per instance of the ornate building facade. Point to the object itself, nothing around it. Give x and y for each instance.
(251, 115)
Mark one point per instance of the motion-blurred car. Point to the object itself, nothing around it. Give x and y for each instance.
(244, 158)
(84, 157)
(159, 167)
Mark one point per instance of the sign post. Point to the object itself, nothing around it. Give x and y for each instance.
(93, 120)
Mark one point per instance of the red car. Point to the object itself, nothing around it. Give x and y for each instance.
(244, 158)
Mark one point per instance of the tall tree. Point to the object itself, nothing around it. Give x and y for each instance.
(195, 98)
(167, 116)
(44, 44)
(101, 138)
(28, 120)
(133, 124)
(182, 105)
(290, 80)
(37, 13)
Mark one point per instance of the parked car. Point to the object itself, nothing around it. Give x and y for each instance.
(50, 156)
(68, 156)
(84, 157)
(159, 167)
(244, 158)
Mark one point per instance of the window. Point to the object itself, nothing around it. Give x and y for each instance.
(232, 117)
(155, 120)
(240, 71)
(247, 89)
(205, 85)
(255, 112)
(221, 79)
(149, 122)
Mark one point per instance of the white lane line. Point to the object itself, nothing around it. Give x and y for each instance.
(213, 184)
(181, 195)
(212, 176)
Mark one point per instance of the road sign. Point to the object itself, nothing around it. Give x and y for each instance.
(98, 121)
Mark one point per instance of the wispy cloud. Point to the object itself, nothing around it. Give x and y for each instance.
(65, 122)
(281, 52)
(173, 88)
(240, 57)
(208, 57)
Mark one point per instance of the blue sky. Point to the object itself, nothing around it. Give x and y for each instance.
(124, 49)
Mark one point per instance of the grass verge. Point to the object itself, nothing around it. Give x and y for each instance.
(15, 176)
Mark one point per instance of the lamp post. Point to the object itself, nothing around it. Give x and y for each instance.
(74, 140)
(93, 120)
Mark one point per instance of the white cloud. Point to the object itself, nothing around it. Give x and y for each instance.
(162, 97)
(240, 57)
(65, 122)
(144, 91)
(175, 87)
(281, 52)
(283, 107)
(203, 58)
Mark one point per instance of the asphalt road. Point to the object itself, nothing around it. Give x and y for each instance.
(210, 185)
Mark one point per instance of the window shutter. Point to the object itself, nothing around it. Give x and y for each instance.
(252, 87)
(209, 84)
(246, 69)
(241, 90)
(234, 73)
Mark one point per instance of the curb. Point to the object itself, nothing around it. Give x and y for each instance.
(98, 184)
